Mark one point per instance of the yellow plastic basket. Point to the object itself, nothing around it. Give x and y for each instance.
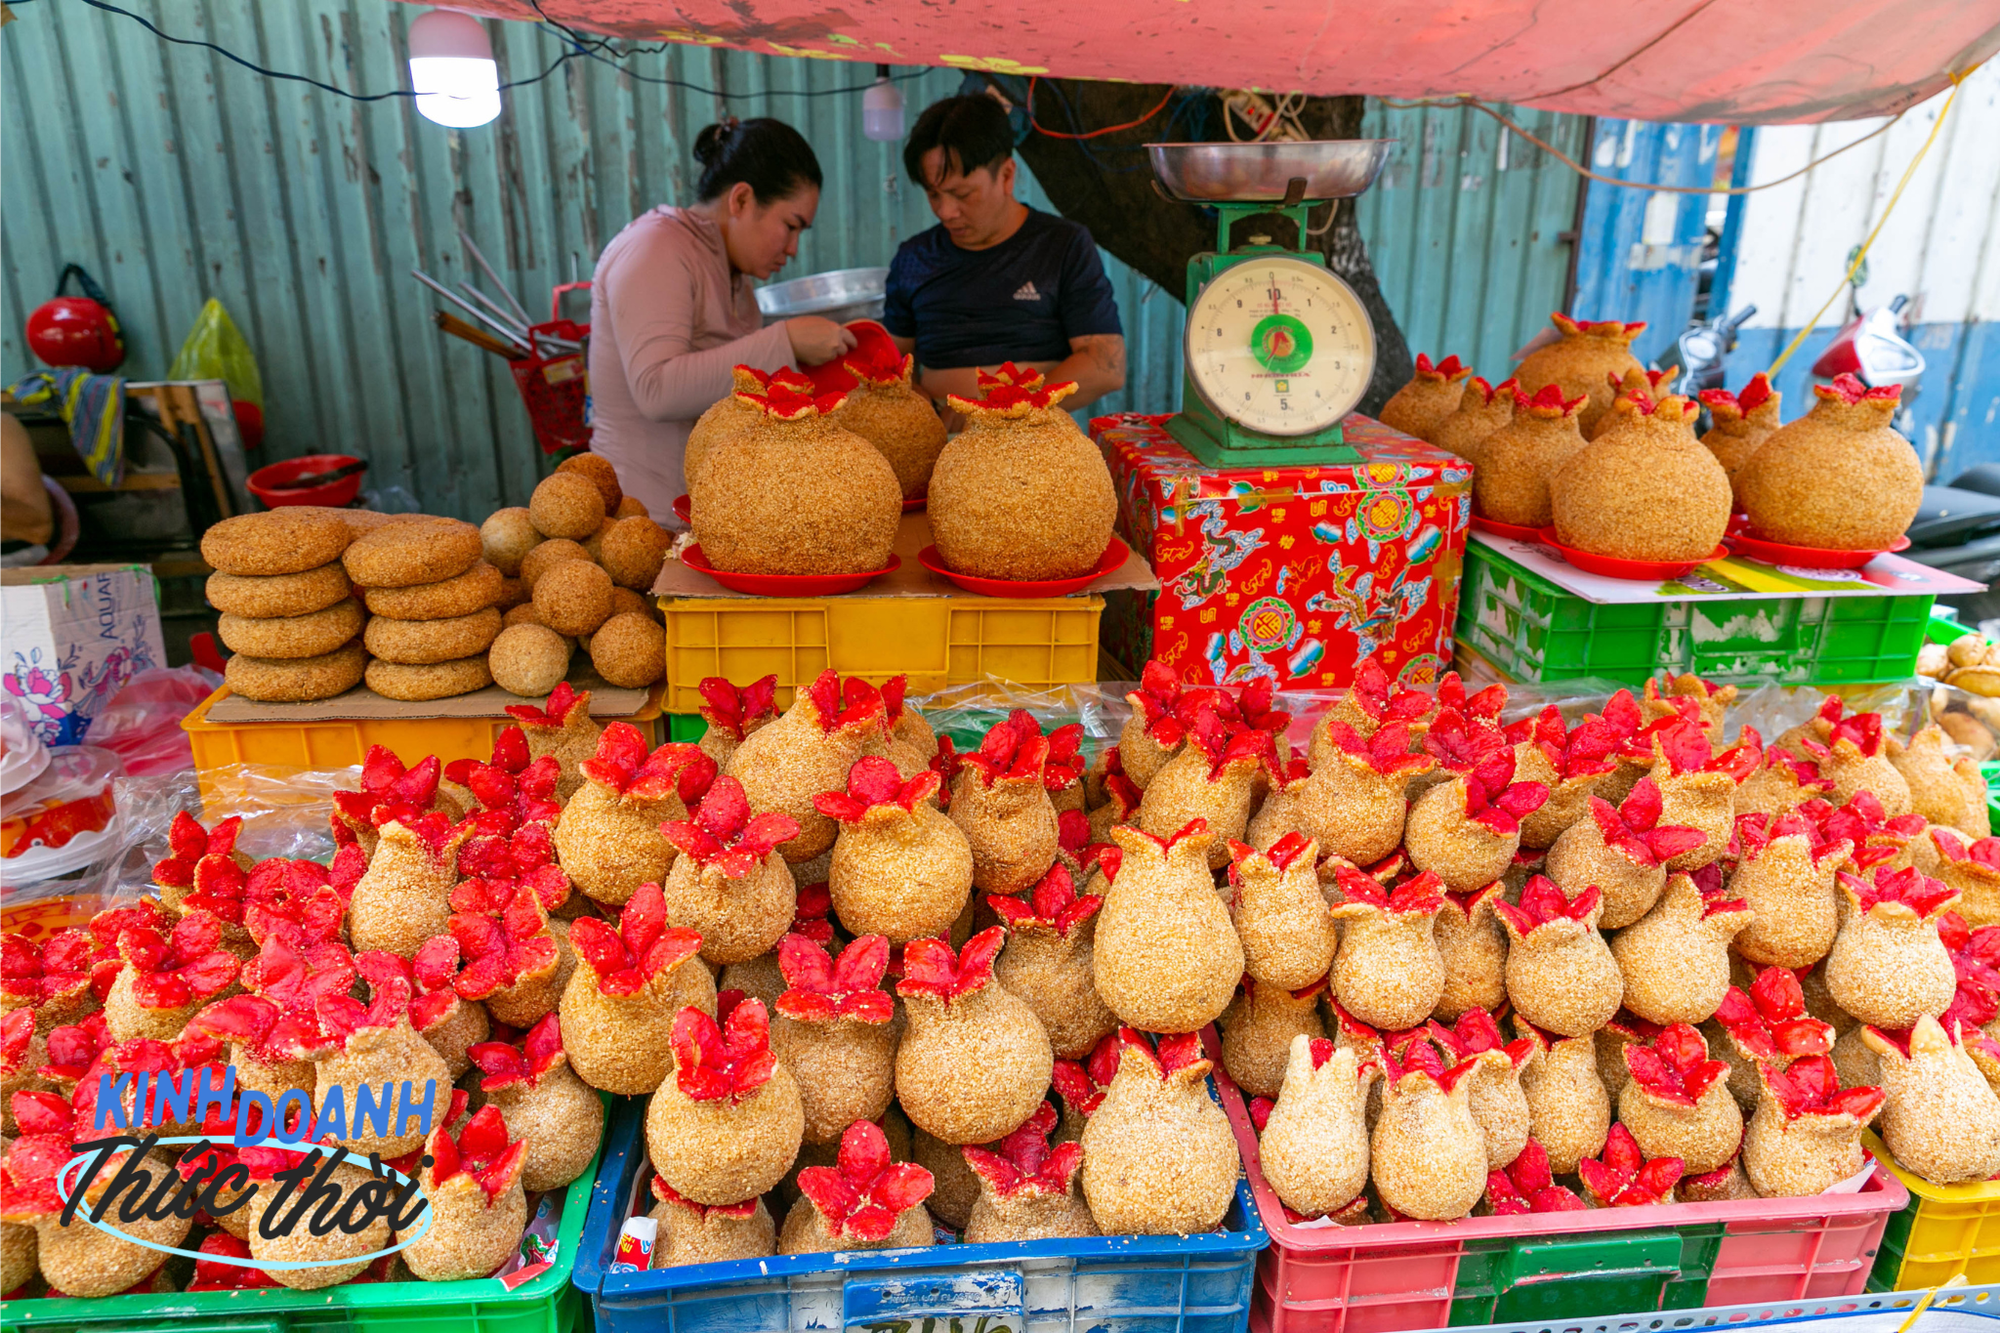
(1946, 1230)
(935, 641)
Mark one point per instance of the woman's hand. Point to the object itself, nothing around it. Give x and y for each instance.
(816, 341)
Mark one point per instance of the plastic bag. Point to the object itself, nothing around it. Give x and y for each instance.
(142, 723)
(214, 350)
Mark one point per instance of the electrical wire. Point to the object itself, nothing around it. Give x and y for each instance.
(1034, 81)
(1861, 253)
(1588, 174)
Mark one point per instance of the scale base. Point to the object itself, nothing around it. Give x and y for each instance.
(1238, 447)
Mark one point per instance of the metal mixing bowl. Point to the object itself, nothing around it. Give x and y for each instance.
(839, 294)
(1207, 173)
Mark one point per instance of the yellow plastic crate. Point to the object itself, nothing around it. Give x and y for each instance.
(1946, 1230)
(342, 742)
(935, 641)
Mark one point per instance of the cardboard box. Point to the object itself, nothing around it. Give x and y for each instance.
(71, 636)
(1294, 572)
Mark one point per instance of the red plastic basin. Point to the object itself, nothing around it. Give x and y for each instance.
(272, 484)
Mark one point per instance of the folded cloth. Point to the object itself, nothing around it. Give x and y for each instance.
(94, 408)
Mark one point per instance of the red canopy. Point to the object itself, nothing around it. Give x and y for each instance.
(1739, 61)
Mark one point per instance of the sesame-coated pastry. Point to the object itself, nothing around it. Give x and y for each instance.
(1806, 1134)
(1158, 1155)
(1211, 778)
(902, 736)
(1431, 394)
(806, 751)
(1698, 785)
(954, 1184)
(1622, 852)
(1588, 358)
(391, 791)
(1676, 1101)
(478, 1206)
(1314, 1147)
(1764, 1026)
(1940, 1117)
(1473, 944)
(1569, 763)
(1282, 918)
(975, 1060)
(1560, 973)
(188, 845)
(1948, 791)
(1624, 1177)
(1740, 423)
(1375, 700)
(1167, 957)
(747, 525)
(732, 413)
(725, 1125)
(1511, 484)
(546, 1105)
(1619, 1031)
(609, 836)
(404, 897)
(1644, 489)
(1668, 696)
(1857, 762)
(886, 410)
(1975, 956)
(1718, 1186)
(697, 1233)
(166, 975)
(1000, 801)
(864, 1202)
(510, 952)
(1839, 477)
(1081, 1085)
(1498, 1105)
(66, 974)
(1427, 1153)
(1021, 493)
(80, 1259)
(1785, 874)
(633, 976)
(23, 1052)
(1888, 967)
(1675, 959)
(1027, 1189)
(1528, 1185)
(729, 883)
(374, 1045)
(1569, 1110)
(833, 1032)
(1154, 731)
(1482, 409)
(562, 727)
(1258, 1028)
(899, 869)
(1353, 803)
(275, 1033)
(1788, 778)
(1050, 961)
(733, 713)
(1467, 830)
(1389, 972)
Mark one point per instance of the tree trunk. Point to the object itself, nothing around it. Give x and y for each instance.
(1106, 183)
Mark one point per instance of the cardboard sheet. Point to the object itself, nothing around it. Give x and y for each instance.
(1733, 577)
(607, 703)
(911, 580)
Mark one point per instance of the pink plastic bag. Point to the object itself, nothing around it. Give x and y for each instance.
(142, 723)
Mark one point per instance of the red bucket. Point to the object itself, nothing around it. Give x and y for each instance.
(273, 484)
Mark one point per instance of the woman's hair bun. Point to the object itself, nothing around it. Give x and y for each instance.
(709, 143)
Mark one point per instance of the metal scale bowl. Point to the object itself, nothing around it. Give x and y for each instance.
(1277, 348)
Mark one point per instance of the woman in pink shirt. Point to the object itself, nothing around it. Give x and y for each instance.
(672, 307)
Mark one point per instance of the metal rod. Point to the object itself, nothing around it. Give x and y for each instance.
(521, 331)
(480, 259)
(465, 305)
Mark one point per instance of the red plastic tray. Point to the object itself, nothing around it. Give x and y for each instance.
(1400, 1276)
(1518, 531)
(1114, 556)
(1610, 566)
(1744, 543)
(786, 585)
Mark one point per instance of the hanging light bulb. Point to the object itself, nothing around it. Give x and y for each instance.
(452, 69)
(882, 109)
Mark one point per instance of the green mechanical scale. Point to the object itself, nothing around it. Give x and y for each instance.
(1277, 349)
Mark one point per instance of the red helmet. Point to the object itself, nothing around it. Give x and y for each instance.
(77, 330)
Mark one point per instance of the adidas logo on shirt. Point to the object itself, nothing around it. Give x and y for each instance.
(1027, 292)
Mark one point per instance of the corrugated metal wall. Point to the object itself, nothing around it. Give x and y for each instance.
(175, 176)
(1941, 248)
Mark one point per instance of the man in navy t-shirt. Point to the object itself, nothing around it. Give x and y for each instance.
(995, 280)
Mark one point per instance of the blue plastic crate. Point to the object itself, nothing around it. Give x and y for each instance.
(1134, 1284)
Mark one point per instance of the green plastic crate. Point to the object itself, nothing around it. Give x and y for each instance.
(1528, 629)
(1503, 1280)
(686, 726)
(545, 1303)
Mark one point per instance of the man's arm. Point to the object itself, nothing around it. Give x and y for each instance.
(1096, 361)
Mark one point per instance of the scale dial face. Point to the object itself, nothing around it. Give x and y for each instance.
(1279, 345)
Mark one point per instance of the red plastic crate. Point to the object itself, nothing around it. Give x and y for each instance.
(1406, 1275)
